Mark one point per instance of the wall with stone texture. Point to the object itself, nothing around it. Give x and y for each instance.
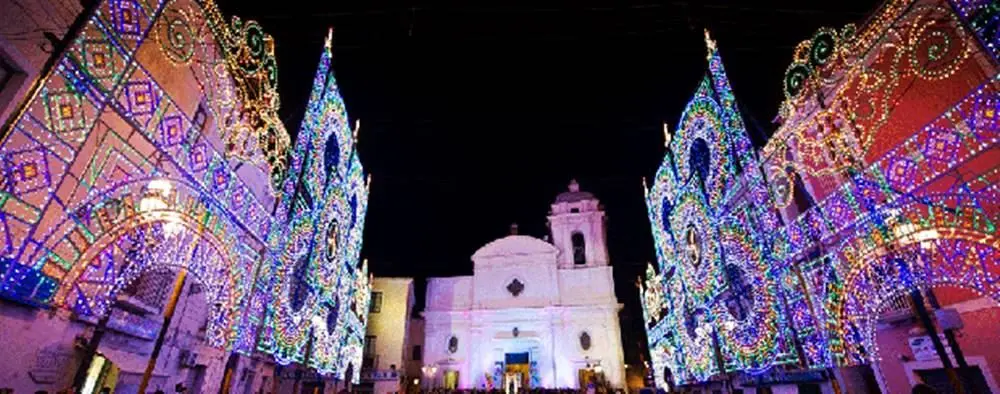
(37, 348)
(454, 293)
(539, 282)
(413, 367)
(389, 324)
(977, 339)
(23, 44)
(587, 286)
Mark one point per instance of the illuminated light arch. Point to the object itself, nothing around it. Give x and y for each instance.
(927, 165)
(973, 262)
(868, 324)
(107, 228)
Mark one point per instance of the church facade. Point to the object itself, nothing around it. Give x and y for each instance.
(533, 313)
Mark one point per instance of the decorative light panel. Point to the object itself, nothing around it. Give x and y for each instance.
(891, 129)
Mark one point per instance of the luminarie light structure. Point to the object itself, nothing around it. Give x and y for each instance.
(154, 142)
(881, 179)
(319, 292)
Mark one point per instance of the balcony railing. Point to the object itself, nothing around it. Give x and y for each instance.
(373, 375)
(896, 309)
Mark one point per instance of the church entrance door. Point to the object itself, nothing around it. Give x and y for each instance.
(587, 376)
(516, 372)
(451, 380)
(512, 382)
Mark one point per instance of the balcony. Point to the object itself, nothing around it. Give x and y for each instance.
(370, 371)
(380, 375)
(897, 309)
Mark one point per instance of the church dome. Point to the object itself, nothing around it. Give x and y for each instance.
(574, 194)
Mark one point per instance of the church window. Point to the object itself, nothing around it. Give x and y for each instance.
(574, 210)
(453, 344)
(579, 249)
(418, 353)
(375, 306)
(585, 341)
(515, 287)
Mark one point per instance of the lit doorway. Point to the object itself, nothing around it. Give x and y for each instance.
(586, 376)
(451, 380)
(517, 371)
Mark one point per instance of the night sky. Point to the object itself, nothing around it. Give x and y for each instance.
(474, 117)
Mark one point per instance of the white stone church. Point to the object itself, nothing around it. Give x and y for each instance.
(533, 313)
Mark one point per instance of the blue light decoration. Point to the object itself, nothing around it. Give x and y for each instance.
(155, 142)
(706, 214)
(881, 179)
(107, 173)
(318, 291)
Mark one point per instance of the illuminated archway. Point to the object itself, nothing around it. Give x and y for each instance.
(953, 257)
(157, 222)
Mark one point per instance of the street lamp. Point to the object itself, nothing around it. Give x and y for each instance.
(429, 372)
(154, 203)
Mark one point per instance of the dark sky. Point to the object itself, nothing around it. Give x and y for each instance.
(476, 116)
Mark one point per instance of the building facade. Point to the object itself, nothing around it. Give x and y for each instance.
(533, 313)
(857, 250)
(415, 361)
(150, 191)
(388, 339)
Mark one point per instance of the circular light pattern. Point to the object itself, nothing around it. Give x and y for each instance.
(176, 33)
(274, 284)
(872, 120)
(796, 78)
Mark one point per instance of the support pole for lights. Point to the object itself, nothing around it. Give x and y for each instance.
(167, 316)
(925, 320)
(90, 350)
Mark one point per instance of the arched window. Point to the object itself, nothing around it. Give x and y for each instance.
(700, 161)
(579, 249)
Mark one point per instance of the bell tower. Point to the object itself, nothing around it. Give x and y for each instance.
(578, 230)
